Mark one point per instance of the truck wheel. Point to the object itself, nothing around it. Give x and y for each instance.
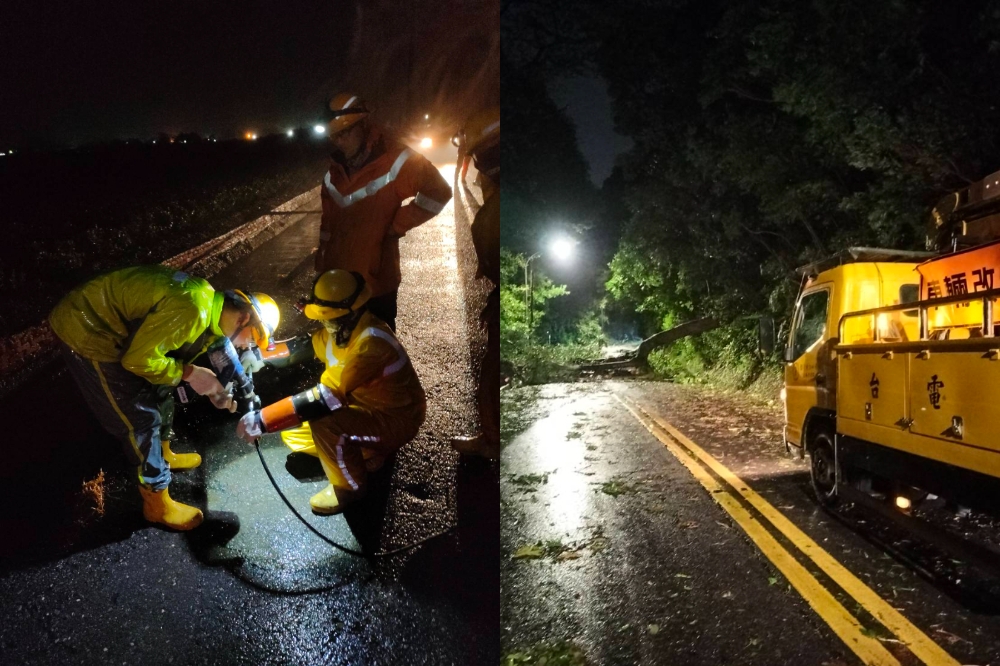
(823, 468)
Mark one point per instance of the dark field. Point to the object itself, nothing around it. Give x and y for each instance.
(72, 214)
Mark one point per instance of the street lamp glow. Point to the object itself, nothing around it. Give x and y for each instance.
(562, 248)
(290, 132)
(426, 142)
(320, 129)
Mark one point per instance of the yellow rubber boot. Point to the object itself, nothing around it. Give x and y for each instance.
(179, 461)
(325, 502)
(331, 501)
(158, 507)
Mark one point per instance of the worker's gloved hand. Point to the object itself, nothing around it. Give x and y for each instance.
(250, 427)
(251, 360)
(202, 380)
(223, 400)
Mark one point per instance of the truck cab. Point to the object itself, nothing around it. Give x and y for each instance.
(854, 280)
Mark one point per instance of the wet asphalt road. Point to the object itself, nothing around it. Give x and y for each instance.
(638, 565)
(252, 585)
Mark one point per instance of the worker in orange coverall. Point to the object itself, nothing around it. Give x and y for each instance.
(370, 177)
(481, 138)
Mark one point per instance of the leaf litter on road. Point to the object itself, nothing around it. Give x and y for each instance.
(617, 488)
(562, 653)
(558, 551)
(528, 483)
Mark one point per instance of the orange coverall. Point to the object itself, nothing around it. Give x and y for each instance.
(364, 215)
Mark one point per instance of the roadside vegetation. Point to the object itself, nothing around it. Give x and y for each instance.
(72, 214)
(766, 135)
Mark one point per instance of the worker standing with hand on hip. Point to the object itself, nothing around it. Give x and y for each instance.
(368, 400)
(364, 217)
(481, 138)
(129, 339)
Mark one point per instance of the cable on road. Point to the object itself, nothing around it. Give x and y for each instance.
(342, 548)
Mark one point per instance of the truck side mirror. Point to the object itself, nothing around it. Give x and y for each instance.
(765, 335)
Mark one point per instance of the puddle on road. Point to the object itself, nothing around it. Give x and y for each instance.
(272, 548)
(552, 446)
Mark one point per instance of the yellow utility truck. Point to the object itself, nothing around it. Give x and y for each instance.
(892, 369)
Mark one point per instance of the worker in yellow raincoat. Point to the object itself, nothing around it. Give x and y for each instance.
(368, 400)
(129, 338)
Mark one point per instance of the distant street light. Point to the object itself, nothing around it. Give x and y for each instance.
(529, 297)
(320, 129)
(290, 132)
(562, 248)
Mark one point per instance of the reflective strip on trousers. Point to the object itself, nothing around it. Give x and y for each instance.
(343, 465)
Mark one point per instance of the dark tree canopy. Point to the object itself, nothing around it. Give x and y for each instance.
(771, 132)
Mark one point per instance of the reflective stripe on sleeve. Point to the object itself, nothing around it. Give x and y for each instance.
(403, 358)
(428, 204)
(329, 399)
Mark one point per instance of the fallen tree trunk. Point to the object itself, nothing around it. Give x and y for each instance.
(640, 358)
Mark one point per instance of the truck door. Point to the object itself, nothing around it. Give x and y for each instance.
(802, 375)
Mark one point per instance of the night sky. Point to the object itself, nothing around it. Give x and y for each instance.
(74, 72)
(586, 101)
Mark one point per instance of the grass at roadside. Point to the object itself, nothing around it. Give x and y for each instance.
(517, 411)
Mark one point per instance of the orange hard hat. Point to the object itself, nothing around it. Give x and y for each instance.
(344, 111)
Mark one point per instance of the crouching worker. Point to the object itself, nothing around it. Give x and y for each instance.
(368, 400)
(129, 338)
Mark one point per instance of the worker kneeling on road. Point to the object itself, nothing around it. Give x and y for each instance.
(369, 396)
(129, 338)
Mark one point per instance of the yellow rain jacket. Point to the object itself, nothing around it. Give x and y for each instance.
(372, 370)
(151, 319)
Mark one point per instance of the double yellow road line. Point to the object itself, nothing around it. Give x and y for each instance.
(846, 626)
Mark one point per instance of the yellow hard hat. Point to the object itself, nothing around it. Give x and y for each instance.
(344, 111)
(481, 131)
(265, 318)
(337, 293)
